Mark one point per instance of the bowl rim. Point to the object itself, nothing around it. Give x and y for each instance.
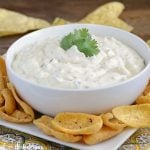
(19, 77)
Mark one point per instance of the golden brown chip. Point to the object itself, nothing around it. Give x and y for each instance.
(143, 100)
(137, 116)
(44, 123)
(2, 67)
(115, 22)
(1, 100)
(16, 117)
(14, 23)
(10, 103)
(108, 15)
(21, 116)
(147, 90)
(77, 123)
(110, 121)
(59, 21)
(26, 108)
(103, 134)
(111, 9)
(2, 82)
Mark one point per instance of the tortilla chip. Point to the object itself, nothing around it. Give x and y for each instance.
(108, 15)
(44, 123)
(77, 123)
(110, 121)
(59, 21)
(115, 22)
(111, 9)
(14, 23)
(103, 134)
(137, 116)
(10, 103)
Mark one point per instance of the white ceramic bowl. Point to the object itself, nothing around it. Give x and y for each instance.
(51, 101)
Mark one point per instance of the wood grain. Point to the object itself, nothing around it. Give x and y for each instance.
(137, 13)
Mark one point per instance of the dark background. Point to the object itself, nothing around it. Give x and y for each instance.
(137, 13)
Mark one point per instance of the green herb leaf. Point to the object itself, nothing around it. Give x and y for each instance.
(83, 40)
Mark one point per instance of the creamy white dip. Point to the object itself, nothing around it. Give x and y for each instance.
(47, 64)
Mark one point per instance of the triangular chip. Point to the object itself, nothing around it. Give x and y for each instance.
(59, 21)
(14, 23)
(107, 14)
(111, 9)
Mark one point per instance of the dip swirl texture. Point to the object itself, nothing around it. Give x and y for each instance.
(47, 64)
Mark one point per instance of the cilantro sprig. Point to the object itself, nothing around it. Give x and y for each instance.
(83, 40)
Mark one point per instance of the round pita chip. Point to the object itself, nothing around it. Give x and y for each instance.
(44, 123)
(137, 116)
(77, 123)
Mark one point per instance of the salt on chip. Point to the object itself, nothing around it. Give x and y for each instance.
(44, 123)
(110, 121)
(14, 23)
(77, 123)
(59, 21)
(103, 134)
(137, 116)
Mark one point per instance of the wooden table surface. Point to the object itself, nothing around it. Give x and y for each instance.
(137, 13)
